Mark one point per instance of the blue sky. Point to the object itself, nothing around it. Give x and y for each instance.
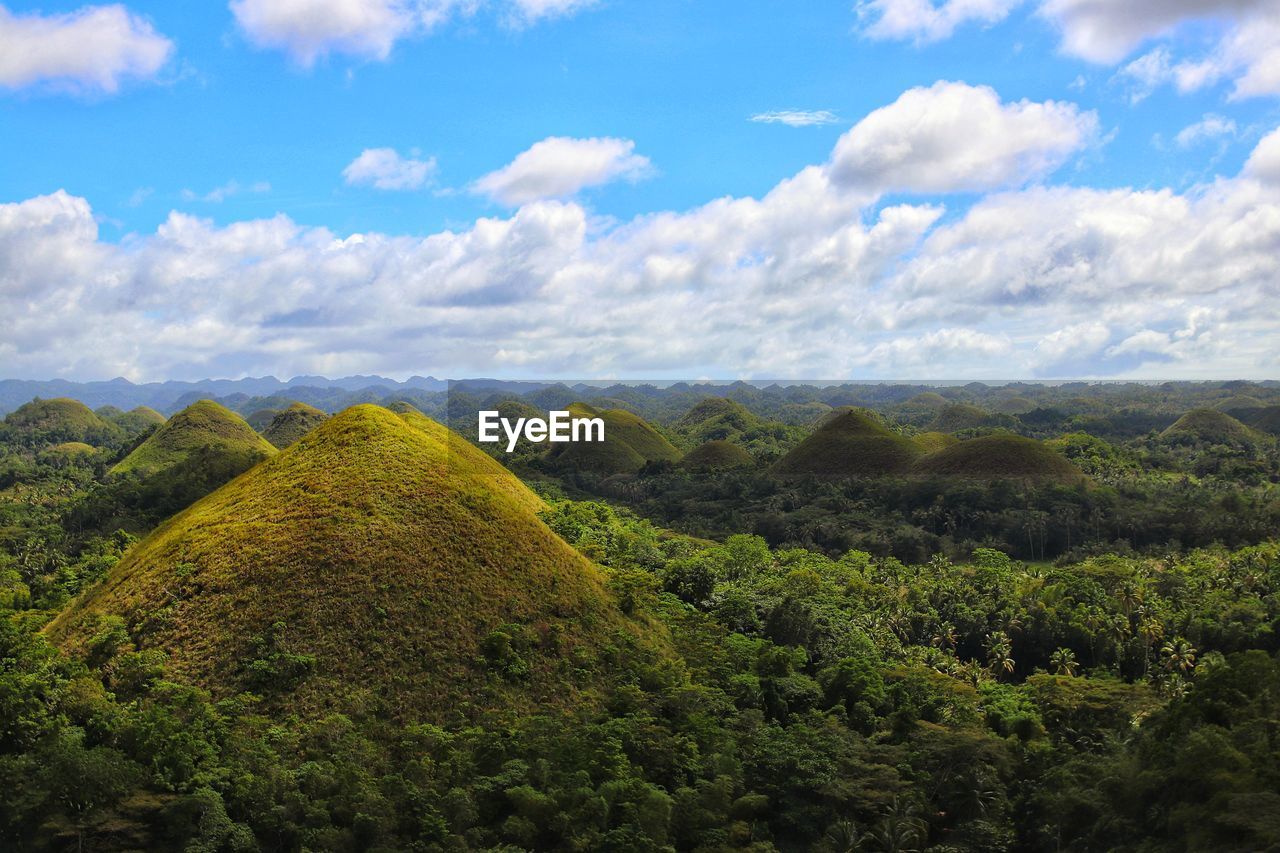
(248, 128)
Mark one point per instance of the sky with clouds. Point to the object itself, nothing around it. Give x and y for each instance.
(946, 189)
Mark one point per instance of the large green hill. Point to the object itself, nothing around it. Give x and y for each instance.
(716, 455)
(202, 428)
(59, 420)
(380, 563)
(1000, 457)
(1209, 426)
(292, 424)
(629, 442)
(850, 443)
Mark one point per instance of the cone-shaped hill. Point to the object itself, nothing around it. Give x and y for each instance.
(718, 411)
(204, 429)
(850, 443)
(1211, 427)
(262, 418)
(629, 442)
(960, 416)
(59, 420)
(380, 563)
(1238, 403)
(717, 455)
(138, 421)
(1000, 457)
(1266, 420)
(292, 424)
(931, 442)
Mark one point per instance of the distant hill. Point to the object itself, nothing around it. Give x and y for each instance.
(260, 419)
(292, 424)
(717, 455)
(380, 565)
(138, 420)
(629, 442)
(1266, 420)
(930, 442)
(850, 443)
(927, 400)
(961, 416)
(1238, 402)
(60, 420)
(1014, 405)
(718, 414)
(204, 428)
(1211, 427)
(1000, 457)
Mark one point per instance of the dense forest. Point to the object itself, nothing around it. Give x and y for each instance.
(841, 618)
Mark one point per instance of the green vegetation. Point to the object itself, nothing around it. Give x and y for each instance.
(292, 424)
(1000, 457)
(718, 454)
(44, 422)
(1209, 426)
(629, 443)
(380, 638)
(201, 427)
(849, 443)
(389, 550)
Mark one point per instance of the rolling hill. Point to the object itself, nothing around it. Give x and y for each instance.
(849, 443)
(379, 564)
(959, 416)
(629, 442)
(59, 420)
(292, 424)
(717, 455)
(1000, 457)
(1209, 426)
(204, 428)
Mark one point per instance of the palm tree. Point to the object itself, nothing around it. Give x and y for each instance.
(843, 836)
(901, 830)
(1000, 653)
(1064, 662)
(1179, 656)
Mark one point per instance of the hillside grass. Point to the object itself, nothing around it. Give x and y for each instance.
(391, 550)
(202, 427)
(717, 455)
(292, 424)
(1000, 457)
(850, 443)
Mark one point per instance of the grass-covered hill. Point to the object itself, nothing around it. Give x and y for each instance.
(931, 442)
(1014, 405)
(1266, 420)
(202, 428)
(260, 419)
(59, 420)
(1238, 402)
(717, 455)
(961, 416)
(381, 562)
(850, 443)
(138, 420)
(1209, 426)
(292, 424)
(718, 412)
(1000, 457)
(629, 442)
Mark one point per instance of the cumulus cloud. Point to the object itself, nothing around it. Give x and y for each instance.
(925, 21)
(1209, 128)
(385, 169)
(796, 118)
(559, 167)
(955, 137)
(310, 30)
(817, 277)
(1105, 32)
(1264, 163)
(95, 49)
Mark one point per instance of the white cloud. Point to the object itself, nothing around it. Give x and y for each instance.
(529, 11)
(559, 167)
(954, 137)
(1210, 127)
(797, 118)
(814, 278)
(1105, 31)
(217, 195)
(1264, 163)
(309, 30)
(924, 21)
(385, 169)
(95, 49)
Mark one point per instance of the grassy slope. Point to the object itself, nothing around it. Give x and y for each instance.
(60, 420)
(960, 416)
(292, 424)
(629, 442)
(201, 425)
(1000, 457)
(390, 548)
(1211, 426)
(717, 454)
(850, 443)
